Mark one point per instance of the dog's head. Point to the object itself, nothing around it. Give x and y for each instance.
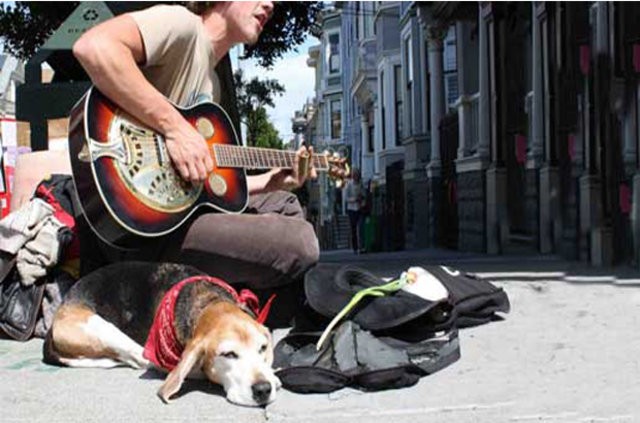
(232, 350)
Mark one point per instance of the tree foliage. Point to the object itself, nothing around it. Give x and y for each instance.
(264, 134)
(252, 98)
(255, 93)
(288, 28)
(26, 25)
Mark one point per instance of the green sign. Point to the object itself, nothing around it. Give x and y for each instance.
(86, 15)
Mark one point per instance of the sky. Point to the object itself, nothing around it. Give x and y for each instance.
(293, 73)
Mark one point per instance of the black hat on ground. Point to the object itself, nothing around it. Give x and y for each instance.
(471, 301)
(329, 288)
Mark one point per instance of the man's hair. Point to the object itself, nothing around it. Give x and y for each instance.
(200, 7)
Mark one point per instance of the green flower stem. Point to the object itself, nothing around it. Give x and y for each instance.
(376, 291)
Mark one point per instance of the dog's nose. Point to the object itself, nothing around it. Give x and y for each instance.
(261, 391)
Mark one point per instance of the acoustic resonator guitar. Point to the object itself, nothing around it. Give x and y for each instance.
(127, 185)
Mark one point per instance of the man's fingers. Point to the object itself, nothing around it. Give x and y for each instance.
(303, 167)
(183, 170)
(194, 173)
(295, 170)
(202, 170)
(179, 162)
(312, 173)
(200, 159)
(208, 163)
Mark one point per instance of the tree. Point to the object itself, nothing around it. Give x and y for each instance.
(263, 132)
(252, 98)
(288, 28)
(26, 25)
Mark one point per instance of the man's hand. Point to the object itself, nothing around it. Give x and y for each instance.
(189, 152)
(290, 179)
(286, 179)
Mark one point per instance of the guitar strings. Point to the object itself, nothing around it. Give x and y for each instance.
(239, 153)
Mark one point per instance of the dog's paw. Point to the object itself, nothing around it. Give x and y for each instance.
(138, 363)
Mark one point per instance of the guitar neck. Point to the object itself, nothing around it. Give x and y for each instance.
(261, 158)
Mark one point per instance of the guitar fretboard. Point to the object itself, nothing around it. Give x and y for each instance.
(261, 158)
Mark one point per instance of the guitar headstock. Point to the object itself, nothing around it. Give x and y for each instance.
(339, 168)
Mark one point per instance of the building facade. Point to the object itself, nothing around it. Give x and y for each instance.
(503, 128)
(324, 124)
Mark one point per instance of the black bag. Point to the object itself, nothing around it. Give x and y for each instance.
(357, 358)
(19, 305)
(387, 342)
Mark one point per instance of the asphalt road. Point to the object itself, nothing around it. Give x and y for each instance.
(569, 351)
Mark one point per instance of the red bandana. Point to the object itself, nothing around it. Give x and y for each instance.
(162, 347)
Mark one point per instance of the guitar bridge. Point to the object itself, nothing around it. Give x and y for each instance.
(114, 149)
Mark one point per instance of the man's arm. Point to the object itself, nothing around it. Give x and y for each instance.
(111, 53)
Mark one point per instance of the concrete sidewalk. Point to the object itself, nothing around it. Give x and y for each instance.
(569, 351)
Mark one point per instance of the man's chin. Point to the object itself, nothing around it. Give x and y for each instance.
(251, 36)
(253, 40)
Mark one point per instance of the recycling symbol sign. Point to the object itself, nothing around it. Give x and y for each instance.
(85, 16)
(90, 15)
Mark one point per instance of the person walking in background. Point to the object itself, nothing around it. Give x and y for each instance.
(354, 196)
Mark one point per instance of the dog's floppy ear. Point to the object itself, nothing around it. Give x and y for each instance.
(190, 357)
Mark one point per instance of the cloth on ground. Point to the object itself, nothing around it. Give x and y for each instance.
(31, 233)
(41, 253)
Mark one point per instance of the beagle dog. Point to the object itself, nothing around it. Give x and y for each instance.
(108, 315)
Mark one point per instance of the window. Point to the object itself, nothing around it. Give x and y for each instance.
(450, 67)
(397, 76)
(334, 53)
(428, 83)
(367, 21)
(383, 113)
(408, 63)
(358, 21)
(408, 60)
(336, 118)
(451, 82)
(370, 147)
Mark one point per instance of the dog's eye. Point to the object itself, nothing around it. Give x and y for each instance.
(229, 354)
(263, 348)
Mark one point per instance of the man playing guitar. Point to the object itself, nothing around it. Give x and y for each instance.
(141, 60)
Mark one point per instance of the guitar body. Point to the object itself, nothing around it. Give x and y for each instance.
(125, 180)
